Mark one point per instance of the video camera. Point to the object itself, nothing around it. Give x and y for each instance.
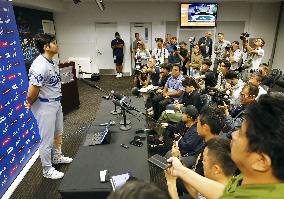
(219, 97)
(244, 36)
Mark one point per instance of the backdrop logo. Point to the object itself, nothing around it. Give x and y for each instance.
(19, 137)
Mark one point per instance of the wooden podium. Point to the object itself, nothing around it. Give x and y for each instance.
(69, 88)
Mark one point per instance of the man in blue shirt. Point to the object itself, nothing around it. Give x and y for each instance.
(117, 46)
(173, 51)
(173, 90)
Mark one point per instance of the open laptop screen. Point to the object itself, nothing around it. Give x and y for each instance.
(105, 132)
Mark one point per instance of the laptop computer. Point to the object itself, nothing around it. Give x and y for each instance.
(97, 138)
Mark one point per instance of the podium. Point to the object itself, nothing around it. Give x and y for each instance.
(69, 88)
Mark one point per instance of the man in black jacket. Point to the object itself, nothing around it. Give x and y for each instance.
(190, 144)
(191, 96)
(205, 44)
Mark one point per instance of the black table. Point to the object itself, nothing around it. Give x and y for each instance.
(82, 180)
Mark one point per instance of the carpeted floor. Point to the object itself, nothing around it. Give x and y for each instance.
(34, 186)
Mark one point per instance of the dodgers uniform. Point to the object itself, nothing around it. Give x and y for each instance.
(47, 108)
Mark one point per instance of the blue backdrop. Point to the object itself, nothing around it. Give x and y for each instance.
(19, 131)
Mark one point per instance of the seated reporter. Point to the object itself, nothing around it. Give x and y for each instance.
(207, 77)
(223, 69)
(173, 90)
(256, 79)
(164, 75)
(153, 71)
(194, 64)
(191, 96)
(217, 164)
(256, 149)
(236, 114)
(141, 80)
(236, 86)
(190, 145)
(210, 123)
(264, 72)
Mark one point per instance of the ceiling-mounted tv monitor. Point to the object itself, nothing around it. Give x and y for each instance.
(198, 14)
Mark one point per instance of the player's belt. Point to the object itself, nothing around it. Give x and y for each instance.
(50, 99)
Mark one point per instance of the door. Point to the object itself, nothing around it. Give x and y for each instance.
(104, 33)
(145, 32)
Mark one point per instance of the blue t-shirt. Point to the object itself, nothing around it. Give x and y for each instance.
(173, 59)
(118, 52)
(155, 77)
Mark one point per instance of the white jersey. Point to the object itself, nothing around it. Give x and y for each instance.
(45, 74)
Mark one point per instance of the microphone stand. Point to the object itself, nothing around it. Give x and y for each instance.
(125, 124)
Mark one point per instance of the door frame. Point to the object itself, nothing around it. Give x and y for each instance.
(108, 71)
(132, 24)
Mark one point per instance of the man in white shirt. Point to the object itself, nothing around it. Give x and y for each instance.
(255, 79)
(236, 86)
(220, 50)
(257, 52)
(235, 55)
(160, 53)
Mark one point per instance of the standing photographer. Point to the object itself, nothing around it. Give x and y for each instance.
(256, 52)
(173, 50)
(220, 50)
(183, 56)
(235, 55)
(160, 53)
(142, 54)
(196, 61)
(205, 44)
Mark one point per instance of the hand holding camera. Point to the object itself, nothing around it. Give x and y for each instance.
(164, 125)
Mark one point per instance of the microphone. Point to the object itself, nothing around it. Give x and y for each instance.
(117, 95)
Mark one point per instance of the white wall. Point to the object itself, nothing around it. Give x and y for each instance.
(75, 27)
(278, 61)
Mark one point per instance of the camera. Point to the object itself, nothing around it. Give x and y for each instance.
(176, 47)
(244, 36)
(228, 47)
(191, 41)
(136, 72)
(219, 97)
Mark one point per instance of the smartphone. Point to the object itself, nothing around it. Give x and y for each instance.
(159, 161)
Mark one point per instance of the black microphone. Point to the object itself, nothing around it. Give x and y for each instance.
(117, 95)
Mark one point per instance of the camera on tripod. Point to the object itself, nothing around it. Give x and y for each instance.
(244, 36)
